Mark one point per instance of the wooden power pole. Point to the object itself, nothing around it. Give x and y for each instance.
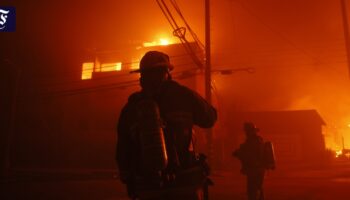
(207, 76)
(346, 31)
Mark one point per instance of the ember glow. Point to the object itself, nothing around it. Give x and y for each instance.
(342, 154)
(338, 153)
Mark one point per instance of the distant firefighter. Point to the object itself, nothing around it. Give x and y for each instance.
(256, 157)
(155, 153)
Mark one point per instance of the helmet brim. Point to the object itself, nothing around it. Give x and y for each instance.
(170, 67)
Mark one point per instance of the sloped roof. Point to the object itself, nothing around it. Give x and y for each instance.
(280, 120)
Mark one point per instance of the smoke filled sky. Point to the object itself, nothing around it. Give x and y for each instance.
(296, 47)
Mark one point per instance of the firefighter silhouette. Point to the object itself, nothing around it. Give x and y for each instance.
(155, 153)
(256, 157)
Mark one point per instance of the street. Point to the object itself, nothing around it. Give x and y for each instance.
(293, 184)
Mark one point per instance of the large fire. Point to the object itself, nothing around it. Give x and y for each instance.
(161, 42)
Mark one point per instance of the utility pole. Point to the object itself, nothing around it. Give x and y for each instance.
(207, 75)
(207, 53)
(346, 31)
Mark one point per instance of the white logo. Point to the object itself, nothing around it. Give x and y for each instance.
(3, 17)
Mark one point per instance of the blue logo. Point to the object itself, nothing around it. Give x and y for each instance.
(7, 19)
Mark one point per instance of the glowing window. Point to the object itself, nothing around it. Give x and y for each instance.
(107, 67)
(87, 70)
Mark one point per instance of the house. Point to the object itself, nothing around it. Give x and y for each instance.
(296, 134)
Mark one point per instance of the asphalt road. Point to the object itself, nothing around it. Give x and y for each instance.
(330, 183)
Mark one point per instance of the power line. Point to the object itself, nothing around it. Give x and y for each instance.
(73, 73)
(131, 83)
(101, 78)
(179, 32)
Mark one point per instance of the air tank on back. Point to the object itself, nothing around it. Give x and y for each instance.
(151, 136)
(269, 156)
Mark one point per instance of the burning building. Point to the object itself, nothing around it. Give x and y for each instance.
(79, 119)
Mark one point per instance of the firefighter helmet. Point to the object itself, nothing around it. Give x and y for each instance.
(153, 60)
(250, 127)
